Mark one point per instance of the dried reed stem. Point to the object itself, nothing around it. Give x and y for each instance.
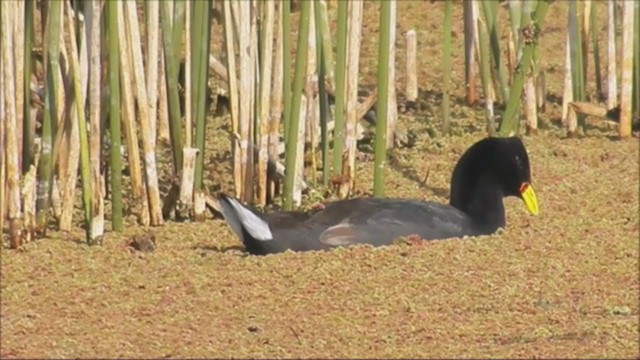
(148, 139)
(612, 77)
(353, 56)
(154, 61)
(411, 64)
(392, 106)
(276, 99)
(626, 91)
(138, 190)
(95, 70)
(233, 98)
(11, 146)
(265, 95)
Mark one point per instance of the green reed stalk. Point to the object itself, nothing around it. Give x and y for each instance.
(45, 167)
(200, 34)
(509, 124)
(171, 68)
(323, 42)
(85, 164)
(577, 66)
(292, 139)
(490, 10)
(27, 134)
(596, 54)
(383, 94)
(322, 22)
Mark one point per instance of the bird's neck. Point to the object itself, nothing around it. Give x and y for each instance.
(481, 201)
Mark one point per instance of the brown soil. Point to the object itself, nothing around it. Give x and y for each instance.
(562, 284)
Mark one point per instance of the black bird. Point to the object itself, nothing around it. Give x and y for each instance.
(488, 171)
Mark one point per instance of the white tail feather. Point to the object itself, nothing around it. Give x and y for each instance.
(256, 227)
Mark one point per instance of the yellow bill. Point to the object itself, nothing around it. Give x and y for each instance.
(529, 197)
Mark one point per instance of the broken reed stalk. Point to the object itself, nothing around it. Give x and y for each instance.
(392, 102)
(266, 56)
(201, 26)
(85, 166)
(353, 59)
(114, 118)
(184, 204)
(509, 124)
(446, 68)
(28, 192)
(411, 89)
(171, 44)
(320, 12)
(341, 61)
(275, 114)
(233, 97)
(469, 54)
(384, 63)
(152, 18)
(590, 109)
(485, 71)
(138, 189)
(626, 91)
(612, 77)
(294, 125)
(245, 105)
(148, 139)
(11, 150)
(94, 15)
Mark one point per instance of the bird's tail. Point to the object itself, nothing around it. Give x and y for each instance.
(243, 222)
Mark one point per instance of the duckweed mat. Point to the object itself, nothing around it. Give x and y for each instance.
(561, 284)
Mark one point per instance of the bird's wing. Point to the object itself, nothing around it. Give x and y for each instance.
(380, 225)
